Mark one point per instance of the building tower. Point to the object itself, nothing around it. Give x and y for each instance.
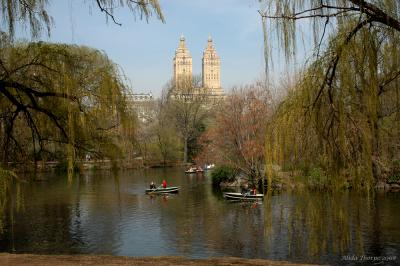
(211, 69)
(182, 65)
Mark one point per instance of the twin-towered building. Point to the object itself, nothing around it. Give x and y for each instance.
(143, 103)
(211, 68)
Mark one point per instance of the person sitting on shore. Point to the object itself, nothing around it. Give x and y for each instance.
(152, 185)
(164, 184)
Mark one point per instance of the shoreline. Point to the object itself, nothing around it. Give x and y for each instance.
(33, 259)
(286, 181)
(92, 165)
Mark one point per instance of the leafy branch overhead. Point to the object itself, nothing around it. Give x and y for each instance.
(35, 15)
(283, 15)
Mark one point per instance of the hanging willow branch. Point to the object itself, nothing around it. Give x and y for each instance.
(34, 14)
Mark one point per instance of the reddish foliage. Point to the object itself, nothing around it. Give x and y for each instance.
(237, 136)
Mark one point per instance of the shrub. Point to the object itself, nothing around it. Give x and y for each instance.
(222, 174)
(395, 173)
(317, 178)
(394, 178)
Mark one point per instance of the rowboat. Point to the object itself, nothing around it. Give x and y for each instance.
(209, 166)
(162, 190)
(193, 170)
(240, 196)
(190, 171)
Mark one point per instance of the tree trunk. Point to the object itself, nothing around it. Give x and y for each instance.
(376, 166)
(185, 149)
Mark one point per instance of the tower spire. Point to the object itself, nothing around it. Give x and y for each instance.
(209, 42)
(182, 42)
(182, 64)
(211, 69)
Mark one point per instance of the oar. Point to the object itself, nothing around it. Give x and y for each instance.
(244, 195)
(247, 194)
(154, 189)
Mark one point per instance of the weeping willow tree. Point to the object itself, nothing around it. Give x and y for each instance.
(26, 82)
(34, 14)
(352, 130)
(61, 101)
(343, 114)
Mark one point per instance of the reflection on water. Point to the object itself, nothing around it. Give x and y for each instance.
(105, 213)
(321, 227)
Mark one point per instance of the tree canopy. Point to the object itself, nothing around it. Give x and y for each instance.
(343, 112)
(237, 136)
(55, 94)
(53, 90)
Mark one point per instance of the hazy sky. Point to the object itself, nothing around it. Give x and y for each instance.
(145, 50)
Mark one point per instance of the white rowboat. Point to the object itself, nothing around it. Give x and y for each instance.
(162, 190)
(240, 196)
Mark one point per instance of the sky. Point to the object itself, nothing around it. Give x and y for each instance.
(145, 49)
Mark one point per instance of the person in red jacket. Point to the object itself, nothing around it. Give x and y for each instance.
(164, 184)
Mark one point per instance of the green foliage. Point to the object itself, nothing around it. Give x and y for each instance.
(317, 179)
(343, 112)
(222, 174)
(194, 147)
(62, 101)
(281, 18)
(394, 177)
(350, 126)
(157, 139)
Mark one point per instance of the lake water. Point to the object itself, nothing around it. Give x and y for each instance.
(109, 213)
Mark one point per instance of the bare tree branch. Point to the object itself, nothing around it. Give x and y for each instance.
(108, 13)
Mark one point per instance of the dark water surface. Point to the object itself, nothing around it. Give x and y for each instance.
(106, 213)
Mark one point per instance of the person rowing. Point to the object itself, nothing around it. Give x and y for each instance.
(245, 189)
(152, 185)
(164, 184)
